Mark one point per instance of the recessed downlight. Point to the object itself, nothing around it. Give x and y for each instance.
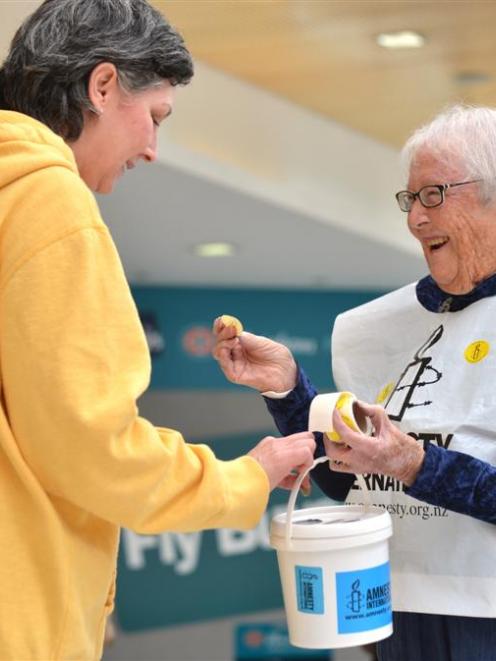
(214, 249)
(467, 78)
(401, 39)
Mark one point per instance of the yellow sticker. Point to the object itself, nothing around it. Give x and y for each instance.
(477, 351)
(229, 320)
(384, 394)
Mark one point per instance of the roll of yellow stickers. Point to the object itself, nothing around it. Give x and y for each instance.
(322, 408)
(228, 320)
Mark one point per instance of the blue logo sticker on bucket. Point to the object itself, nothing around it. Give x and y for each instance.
(309, 590)
(363, 599)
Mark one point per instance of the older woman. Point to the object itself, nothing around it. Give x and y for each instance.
(83, 90)
(426, 352)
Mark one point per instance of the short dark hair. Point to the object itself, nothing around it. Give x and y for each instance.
(53, 53)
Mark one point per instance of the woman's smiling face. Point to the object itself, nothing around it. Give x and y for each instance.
(459, 237)
(123, 132)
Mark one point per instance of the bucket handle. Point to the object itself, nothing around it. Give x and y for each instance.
(296, 488)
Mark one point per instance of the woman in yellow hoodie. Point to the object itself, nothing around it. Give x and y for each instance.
(82, 92)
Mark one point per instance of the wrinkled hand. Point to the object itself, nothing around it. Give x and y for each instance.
(253, 360)
(388, 452)
(282, 457)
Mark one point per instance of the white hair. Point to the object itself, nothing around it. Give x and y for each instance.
(462, 135)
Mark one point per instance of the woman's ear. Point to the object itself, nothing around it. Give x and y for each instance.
(102, 85)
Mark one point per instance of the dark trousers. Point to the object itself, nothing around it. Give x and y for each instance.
(420, 637)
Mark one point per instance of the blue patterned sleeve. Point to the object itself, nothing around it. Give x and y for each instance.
(291, 416)
(291, 413)
(457, 482)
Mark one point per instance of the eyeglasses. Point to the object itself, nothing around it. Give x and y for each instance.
(428, 196)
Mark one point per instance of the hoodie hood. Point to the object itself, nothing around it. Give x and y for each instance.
(27, 145)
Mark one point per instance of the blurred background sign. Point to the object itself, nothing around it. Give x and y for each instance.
(178, 322)
(269, 641)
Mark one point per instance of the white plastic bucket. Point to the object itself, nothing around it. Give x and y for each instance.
(334, 567)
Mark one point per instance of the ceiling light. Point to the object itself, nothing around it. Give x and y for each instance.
(216, 249)
(402, 39)
(472, 78)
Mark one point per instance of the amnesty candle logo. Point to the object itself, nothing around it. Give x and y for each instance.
(417, 374)
(356, 597)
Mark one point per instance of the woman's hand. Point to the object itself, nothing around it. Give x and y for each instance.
(253, 360)
(388, 452)
(282, 457)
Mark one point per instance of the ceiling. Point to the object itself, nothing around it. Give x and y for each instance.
(322, 54)
(158, 214)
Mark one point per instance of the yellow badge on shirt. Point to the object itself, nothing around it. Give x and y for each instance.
(477, 351)
(384, 394)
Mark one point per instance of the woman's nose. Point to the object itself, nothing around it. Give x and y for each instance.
(417, 216)
(150, 154)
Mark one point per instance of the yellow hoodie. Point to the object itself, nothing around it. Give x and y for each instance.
(76, 460)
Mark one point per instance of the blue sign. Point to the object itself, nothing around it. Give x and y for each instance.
(363, 599)
(309, 590)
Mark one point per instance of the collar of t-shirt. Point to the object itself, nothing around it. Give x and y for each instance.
(434, 299)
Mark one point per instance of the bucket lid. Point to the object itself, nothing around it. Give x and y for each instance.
(332, 522)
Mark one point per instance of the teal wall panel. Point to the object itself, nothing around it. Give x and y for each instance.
(301, 319)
